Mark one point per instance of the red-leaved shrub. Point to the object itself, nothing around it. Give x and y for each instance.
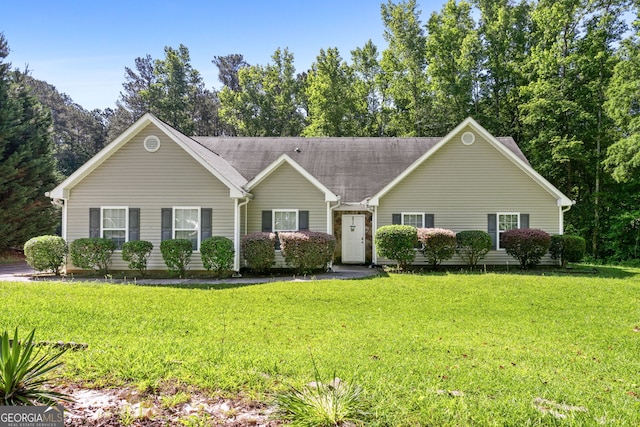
(259, 250)
(527, 245)
(438, 244)
(307, 251)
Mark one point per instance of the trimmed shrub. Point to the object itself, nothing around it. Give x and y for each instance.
(259, 250)
(527, 245)
(176, 254)
(438, 244)
(473, 245)
(307, 251)
(397, 242)
(137, 253)
(92, 253)
(567, 248)
(46, 253)
(217, 253)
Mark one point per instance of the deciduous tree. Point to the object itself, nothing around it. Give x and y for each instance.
(404, 64)
(453, 53)
(331, 96)
(267, 102)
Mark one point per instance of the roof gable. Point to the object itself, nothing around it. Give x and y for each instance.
(216, 165)
(328, 195)
(514, 156)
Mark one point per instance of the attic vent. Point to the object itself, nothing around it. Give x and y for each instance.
(468, 138)
(152, 143)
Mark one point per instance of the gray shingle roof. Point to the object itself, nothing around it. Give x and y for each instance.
(353, 168)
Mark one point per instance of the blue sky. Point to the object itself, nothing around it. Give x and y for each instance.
(82, 47)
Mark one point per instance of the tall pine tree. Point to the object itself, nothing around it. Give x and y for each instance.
(26, 161)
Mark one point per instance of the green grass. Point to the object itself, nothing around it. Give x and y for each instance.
(441, 349)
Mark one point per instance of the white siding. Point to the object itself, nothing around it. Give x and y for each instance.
(462, 184)
(150, 181)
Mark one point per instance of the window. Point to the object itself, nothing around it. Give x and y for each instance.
(414, 219)
(114, 225)
(506, 222)
(191, 223)
(118, 223)
(285, 220)
(186, 225)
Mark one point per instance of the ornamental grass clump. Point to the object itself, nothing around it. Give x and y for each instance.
(307, 251)
(567, 248)
(217, 254)
(438, 244)
(317, 404)
(473, 245)
(137, 253)
(176, 254)
(46, 253)
(397, 243)
(92, 253)
(24, 372)
(259, 250)
(527, 245)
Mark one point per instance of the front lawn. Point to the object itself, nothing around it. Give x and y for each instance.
(442, 350)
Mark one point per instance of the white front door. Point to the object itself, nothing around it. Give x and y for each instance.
(353, 241)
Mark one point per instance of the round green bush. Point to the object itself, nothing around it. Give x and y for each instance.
(92, 253)
(398, 243)
(473, 245)
(176, 254)
(438, 244)
(137, 253)
(259, 250)
(567, 248)
(527, 245)
(46, 253)
(217, 253)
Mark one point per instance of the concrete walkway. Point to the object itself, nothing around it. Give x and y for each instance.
(21, 272)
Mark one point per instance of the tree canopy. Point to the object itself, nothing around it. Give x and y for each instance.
(560, 76)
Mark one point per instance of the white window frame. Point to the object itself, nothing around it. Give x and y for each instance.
(126, 222)
(197, 229)
(421, 214)
(273, 219)
(498, 231)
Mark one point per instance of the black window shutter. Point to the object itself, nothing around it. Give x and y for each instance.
(94, 222)
(206, 229)
(266, 222)
(303, 217)
(134, 224)
(492, 229)
(167, 226)
(429, 221)
(396, 219)
(524, 220)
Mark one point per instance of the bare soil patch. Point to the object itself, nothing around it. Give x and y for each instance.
(170, 405)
